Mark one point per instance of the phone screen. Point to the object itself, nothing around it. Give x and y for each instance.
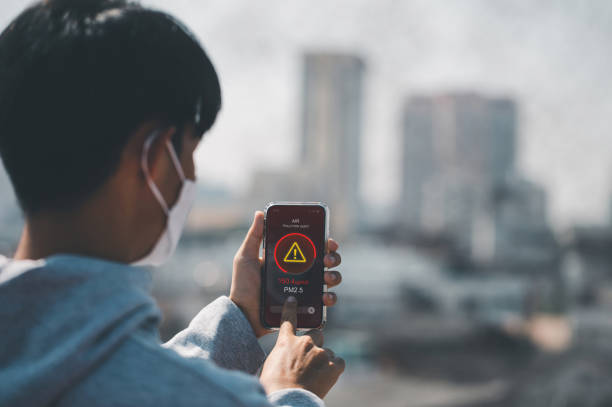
(294, 247)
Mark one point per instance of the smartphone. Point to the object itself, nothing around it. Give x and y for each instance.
(295, 236)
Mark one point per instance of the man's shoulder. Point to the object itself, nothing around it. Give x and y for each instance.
(142, 372)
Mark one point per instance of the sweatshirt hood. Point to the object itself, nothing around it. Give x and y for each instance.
(60, 317)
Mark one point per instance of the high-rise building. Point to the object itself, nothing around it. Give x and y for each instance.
(520, 219)
(474, 136)
(418, 158)
(459, 178)
(331, 136)
(455, 147)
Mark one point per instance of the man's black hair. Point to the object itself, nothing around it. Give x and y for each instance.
(77, 77)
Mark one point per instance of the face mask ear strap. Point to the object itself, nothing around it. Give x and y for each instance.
(175, 160)
(145, 168)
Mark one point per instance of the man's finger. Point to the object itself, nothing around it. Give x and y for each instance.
(332, 278)
(316, 335)
(252, 241)
(332, 245)
(289, 317)
(330, 299)
(332, 259)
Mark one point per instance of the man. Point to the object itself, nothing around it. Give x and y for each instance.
(102, 103)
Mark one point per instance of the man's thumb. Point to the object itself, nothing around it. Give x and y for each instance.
(252, 241)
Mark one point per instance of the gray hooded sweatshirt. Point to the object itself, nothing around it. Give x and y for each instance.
(79, 331)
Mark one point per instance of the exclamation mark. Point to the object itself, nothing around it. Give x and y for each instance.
(294, 254)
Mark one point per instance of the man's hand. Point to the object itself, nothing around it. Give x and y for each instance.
(246, 278)
(300, 361)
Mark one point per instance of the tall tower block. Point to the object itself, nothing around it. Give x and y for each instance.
(331, 135)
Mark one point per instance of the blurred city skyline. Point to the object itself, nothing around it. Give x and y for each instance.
(410, 48)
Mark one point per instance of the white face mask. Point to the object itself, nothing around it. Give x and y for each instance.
(176, 216)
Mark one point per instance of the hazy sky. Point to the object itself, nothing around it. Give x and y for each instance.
(554, 57)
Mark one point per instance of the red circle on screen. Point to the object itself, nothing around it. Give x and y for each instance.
(298, 259)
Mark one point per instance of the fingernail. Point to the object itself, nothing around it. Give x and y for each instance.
(291, 299)
(334, 276)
